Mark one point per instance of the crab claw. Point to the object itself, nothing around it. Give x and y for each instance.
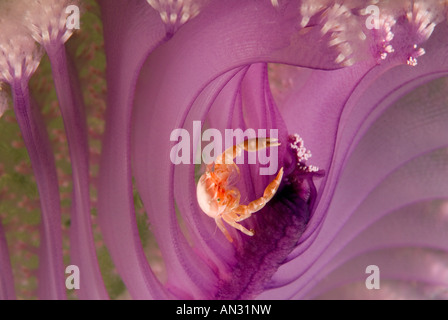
(253, 145)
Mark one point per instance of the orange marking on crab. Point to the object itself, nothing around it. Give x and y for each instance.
(220, 199)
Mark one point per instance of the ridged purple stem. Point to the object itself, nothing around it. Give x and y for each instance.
(7, 291)
(72, 107)
(51, 267)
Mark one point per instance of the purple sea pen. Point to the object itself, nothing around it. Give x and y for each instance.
(349, 95)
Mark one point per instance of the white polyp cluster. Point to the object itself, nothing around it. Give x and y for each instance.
(384, 36)
(423, 16)
(47, 19)
(412, 59)
(408, 23)
(19, 54)
(309, 8)
(343, 26)
(302, 154)
(174, 13)
(298, 145)
(340, 21)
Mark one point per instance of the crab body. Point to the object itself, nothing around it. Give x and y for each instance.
(220, 199)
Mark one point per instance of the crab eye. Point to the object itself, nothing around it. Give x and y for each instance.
(218, 199)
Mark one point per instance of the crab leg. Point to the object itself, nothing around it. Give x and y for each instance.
(250, 145)
(223, 228)
(243, 212)
(233, 223)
